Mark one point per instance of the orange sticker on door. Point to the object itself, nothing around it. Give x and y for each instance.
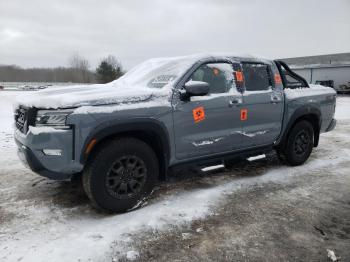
(278, 79)
(239, 76)
(198, 114)
(244, 114)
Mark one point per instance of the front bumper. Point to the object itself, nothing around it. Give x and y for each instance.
(29, 159)
(331, 125)
(30, 151)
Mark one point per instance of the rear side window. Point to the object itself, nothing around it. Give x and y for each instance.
(256, 76)
(292, 82)
(219, 76)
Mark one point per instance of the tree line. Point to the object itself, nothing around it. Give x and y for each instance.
(77, 71)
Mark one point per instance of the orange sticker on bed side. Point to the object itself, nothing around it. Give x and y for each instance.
(198, 114)
(278, 79)
(239, 76)
(244, 114)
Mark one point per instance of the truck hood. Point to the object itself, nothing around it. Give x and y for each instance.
(88, 95)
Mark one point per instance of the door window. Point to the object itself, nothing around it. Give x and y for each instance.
(256, 76)
(219, 76)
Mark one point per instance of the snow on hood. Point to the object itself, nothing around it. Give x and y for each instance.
(151, 79)
(83, 95)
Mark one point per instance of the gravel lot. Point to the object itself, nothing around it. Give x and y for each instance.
(256, 211)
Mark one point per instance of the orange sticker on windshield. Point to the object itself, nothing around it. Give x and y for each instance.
(244, 114)
(198, 114)
(278, 79)
(239, 76)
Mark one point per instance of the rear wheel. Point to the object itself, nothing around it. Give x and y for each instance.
(121, 175)
(299, 144)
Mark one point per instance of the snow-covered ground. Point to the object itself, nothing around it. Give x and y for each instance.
(43, 220)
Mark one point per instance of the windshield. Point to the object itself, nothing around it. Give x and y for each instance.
(156, 73)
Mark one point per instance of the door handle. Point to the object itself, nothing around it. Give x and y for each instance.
(235, 102)
(275, 99)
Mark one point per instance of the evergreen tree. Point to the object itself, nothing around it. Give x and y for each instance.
(108, 70)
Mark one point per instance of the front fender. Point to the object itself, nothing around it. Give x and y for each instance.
(113, 128)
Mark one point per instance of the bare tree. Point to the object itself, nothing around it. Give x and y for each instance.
(80, 67)
(114, 62)
(13, 73)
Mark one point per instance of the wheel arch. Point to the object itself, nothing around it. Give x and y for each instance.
(151, 132)
(310, 114)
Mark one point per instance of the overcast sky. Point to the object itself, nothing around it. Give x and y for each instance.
(46, 32)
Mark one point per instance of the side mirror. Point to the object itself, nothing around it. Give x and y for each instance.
(196, 88)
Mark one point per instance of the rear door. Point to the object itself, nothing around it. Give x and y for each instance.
(206, 125)
(262, 105)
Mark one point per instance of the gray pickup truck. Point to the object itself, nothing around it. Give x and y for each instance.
(200, 110)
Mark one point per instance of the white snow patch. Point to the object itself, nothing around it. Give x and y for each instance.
(36, 130)
(257, 92)
(199, 230)
(132, 255)
(75, 96)
(342, 109)
(62, 239)
(314, 90)
(6, 109)
(159, 102)
(331, 255)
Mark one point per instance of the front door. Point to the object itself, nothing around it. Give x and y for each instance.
(209, 124)
(263, 103)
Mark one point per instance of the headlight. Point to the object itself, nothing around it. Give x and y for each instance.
(53, 118)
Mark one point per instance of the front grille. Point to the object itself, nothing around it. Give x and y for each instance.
(24, 117)
(20, 118)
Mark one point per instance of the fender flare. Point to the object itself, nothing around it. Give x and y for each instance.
(114, 128)
(303, 111)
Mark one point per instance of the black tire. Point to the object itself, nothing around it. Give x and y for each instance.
(121, 175)
(299, 145)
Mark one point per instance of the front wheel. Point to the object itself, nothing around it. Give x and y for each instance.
(300, 142)
(121, 174)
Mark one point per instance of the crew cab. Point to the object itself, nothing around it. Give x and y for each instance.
(125, 136)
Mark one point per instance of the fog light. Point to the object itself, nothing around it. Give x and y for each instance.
(52, 152)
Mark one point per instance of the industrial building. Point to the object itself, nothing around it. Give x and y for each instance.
(332, 68)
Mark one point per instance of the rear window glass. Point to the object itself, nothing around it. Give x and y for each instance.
(292, 82)
(256, 76)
